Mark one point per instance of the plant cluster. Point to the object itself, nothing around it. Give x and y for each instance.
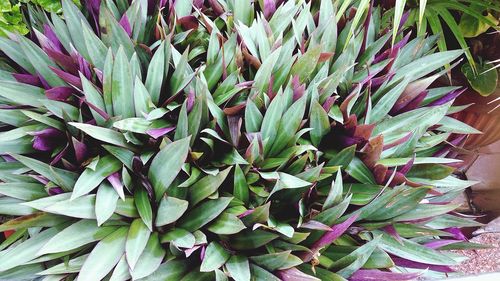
(217, 140)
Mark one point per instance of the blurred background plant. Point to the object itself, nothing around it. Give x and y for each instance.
(465, 24)
(12, 16)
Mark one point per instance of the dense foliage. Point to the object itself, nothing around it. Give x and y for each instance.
(208, 140)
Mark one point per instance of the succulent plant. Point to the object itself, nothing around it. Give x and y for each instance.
(209, 140)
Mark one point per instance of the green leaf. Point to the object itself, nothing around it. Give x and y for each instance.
(74, 20)
(122, 87)
(167, 164)
(307, 63)
(91, 178)
(253, 117)
(144, 207)
(215, 257)
(96, 49)
(22, 190)
(239, 268)
(355, 260)
(63, 178)
(121, 271)
(412, 251)
(172, 270)
(241, 190)
(335, 194)
(150, 259)
(137, 238)
(26, 251)
(248, 240)
(103, 134)
(105, 202)
(71, 266)
(76, 235)
(170, 210)
(204, 213)
(206, 186)
(289, 124)
(81, 207)
(22, 94)
(105, 255)
(319, 123)
(271, 261)
(180, 238)
(157, 70)
(484, 81)
(358, 170)
(226, 224)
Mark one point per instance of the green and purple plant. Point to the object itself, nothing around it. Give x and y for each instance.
(218, 140)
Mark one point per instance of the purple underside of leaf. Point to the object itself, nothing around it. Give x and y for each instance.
(418, 265)
(159, 132)
(116, 182)
(55, 190)
(246, 213)
(69, 78)
(404, 105)
(27, 79)
(327, 238)
(81, 150)
(298, 89)
(190, 251)
(448, 97)
(269, 8)
(47, 139)
(65, 61)
(392, 232)
(406, 167)
(59, 93)
(60, 155)
(436, 244)
(377, 275)
(457, 233)
(125, 24)
(190, 101)
(404, 18)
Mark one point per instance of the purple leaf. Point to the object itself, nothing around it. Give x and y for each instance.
(403, 20)
(69, 78)
(457, 233)
(99, 74)
(55, 190)
(65, 61)
(159, 132)
(189, 252)
(125, 23)
(298, 89)
(47, 139)
(406, 168)
(51, 35)
(448, 97)
(116, 182)
(81, 151)
(414, 103)
(293, 274)
(329, 237)
(418, 265)
(190, 101)
(436, 244)
(27, 79)
(377, 275)
(234, 123)
(392, 232)
(216, 7)
(45, 43)
(59, 93)
(269, 8)
(246, 213)
(327, 105)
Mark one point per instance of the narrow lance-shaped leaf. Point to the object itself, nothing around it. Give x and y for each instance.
(166, 165)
